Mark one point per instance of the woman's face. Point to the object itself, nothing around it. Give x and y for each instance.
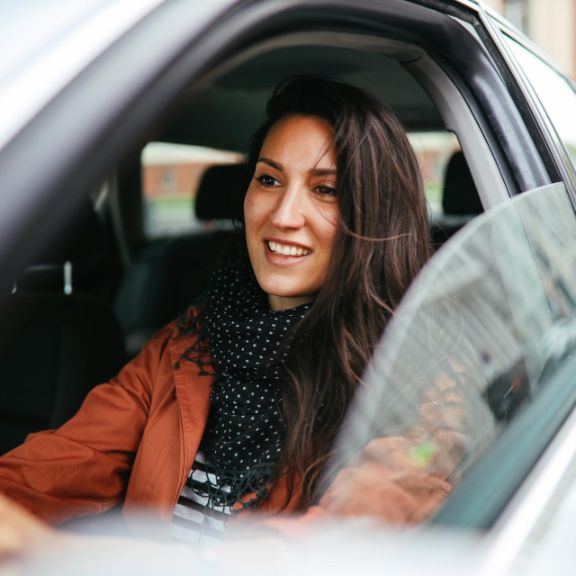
(291, 210)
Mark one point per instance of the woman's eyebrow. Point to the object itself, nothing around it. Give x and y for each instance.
(324, 171)
(272, 163)
(315, 171)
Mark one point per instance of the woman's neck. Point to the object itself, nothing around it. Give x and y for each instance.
(278, 303)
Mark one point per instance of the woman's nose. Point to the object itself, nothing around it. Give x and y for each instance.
(289, 209)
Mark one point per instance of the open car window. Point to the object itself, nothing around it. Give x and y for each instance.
(473, 353)
(171, 176)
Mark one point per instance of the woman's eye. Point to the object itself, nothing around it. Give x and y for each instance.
(324, 190)
(267, 180)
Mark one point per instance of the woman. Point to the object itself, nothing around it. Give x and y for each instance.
(236, 406)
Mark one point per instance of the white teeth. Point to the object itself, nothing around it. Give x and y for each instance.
(287, 250)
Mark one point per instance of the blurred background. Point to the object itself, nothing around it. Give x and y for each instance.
(550, 24)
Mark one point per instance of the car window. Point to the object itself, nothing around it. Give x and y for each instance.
(473, 345)
(171, 174)
(554, 91)
(434, 150)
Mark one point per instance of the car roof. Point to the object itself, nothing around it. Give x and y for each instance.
(210, 116)
(55, 41)
(49, 44)
(31, 27)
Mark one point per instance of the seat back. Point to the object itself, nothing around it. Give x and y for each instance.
(171, 273)
(58, 338)
(54, 349)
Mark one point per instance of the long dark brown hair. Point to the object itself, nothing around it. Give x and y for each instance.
(381, 244)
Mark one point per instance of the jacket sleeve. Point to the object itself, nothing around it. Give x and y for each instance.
(82, 468)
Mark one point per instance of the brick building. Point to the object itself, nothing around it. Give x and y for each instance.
(550, 24)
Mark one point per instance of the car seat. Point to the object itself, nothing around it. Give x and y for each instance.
(58, 338)
(173, 272)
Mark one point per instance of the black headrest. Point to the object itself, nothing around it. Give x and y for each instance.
(221, 192)
(74, 257)
(460, 196)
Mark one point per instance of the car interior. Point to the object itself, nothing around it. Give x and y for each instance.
(122, 268)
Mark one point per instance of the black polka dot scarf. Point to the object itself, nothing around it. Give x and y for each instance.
(248, 344)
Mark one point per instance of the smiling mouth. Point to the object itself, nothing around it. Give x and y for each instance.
(285, 250)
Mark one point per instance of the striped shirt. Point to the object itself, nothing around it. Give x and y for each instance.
(203, 507)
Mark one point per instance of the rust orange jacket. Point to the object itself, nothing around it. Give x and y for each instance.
(134, 439)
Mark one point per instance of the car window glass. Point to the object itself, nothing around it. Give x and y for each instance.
(473, 342)
(555, 93)
(171, 174)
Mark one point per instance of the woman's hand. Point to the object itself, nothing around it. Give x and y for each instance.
(398, 497)
(20, 531)
(405, 479)
(393, 482)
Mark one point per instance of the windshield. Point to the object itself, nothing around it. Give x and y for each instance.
(475, 340)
